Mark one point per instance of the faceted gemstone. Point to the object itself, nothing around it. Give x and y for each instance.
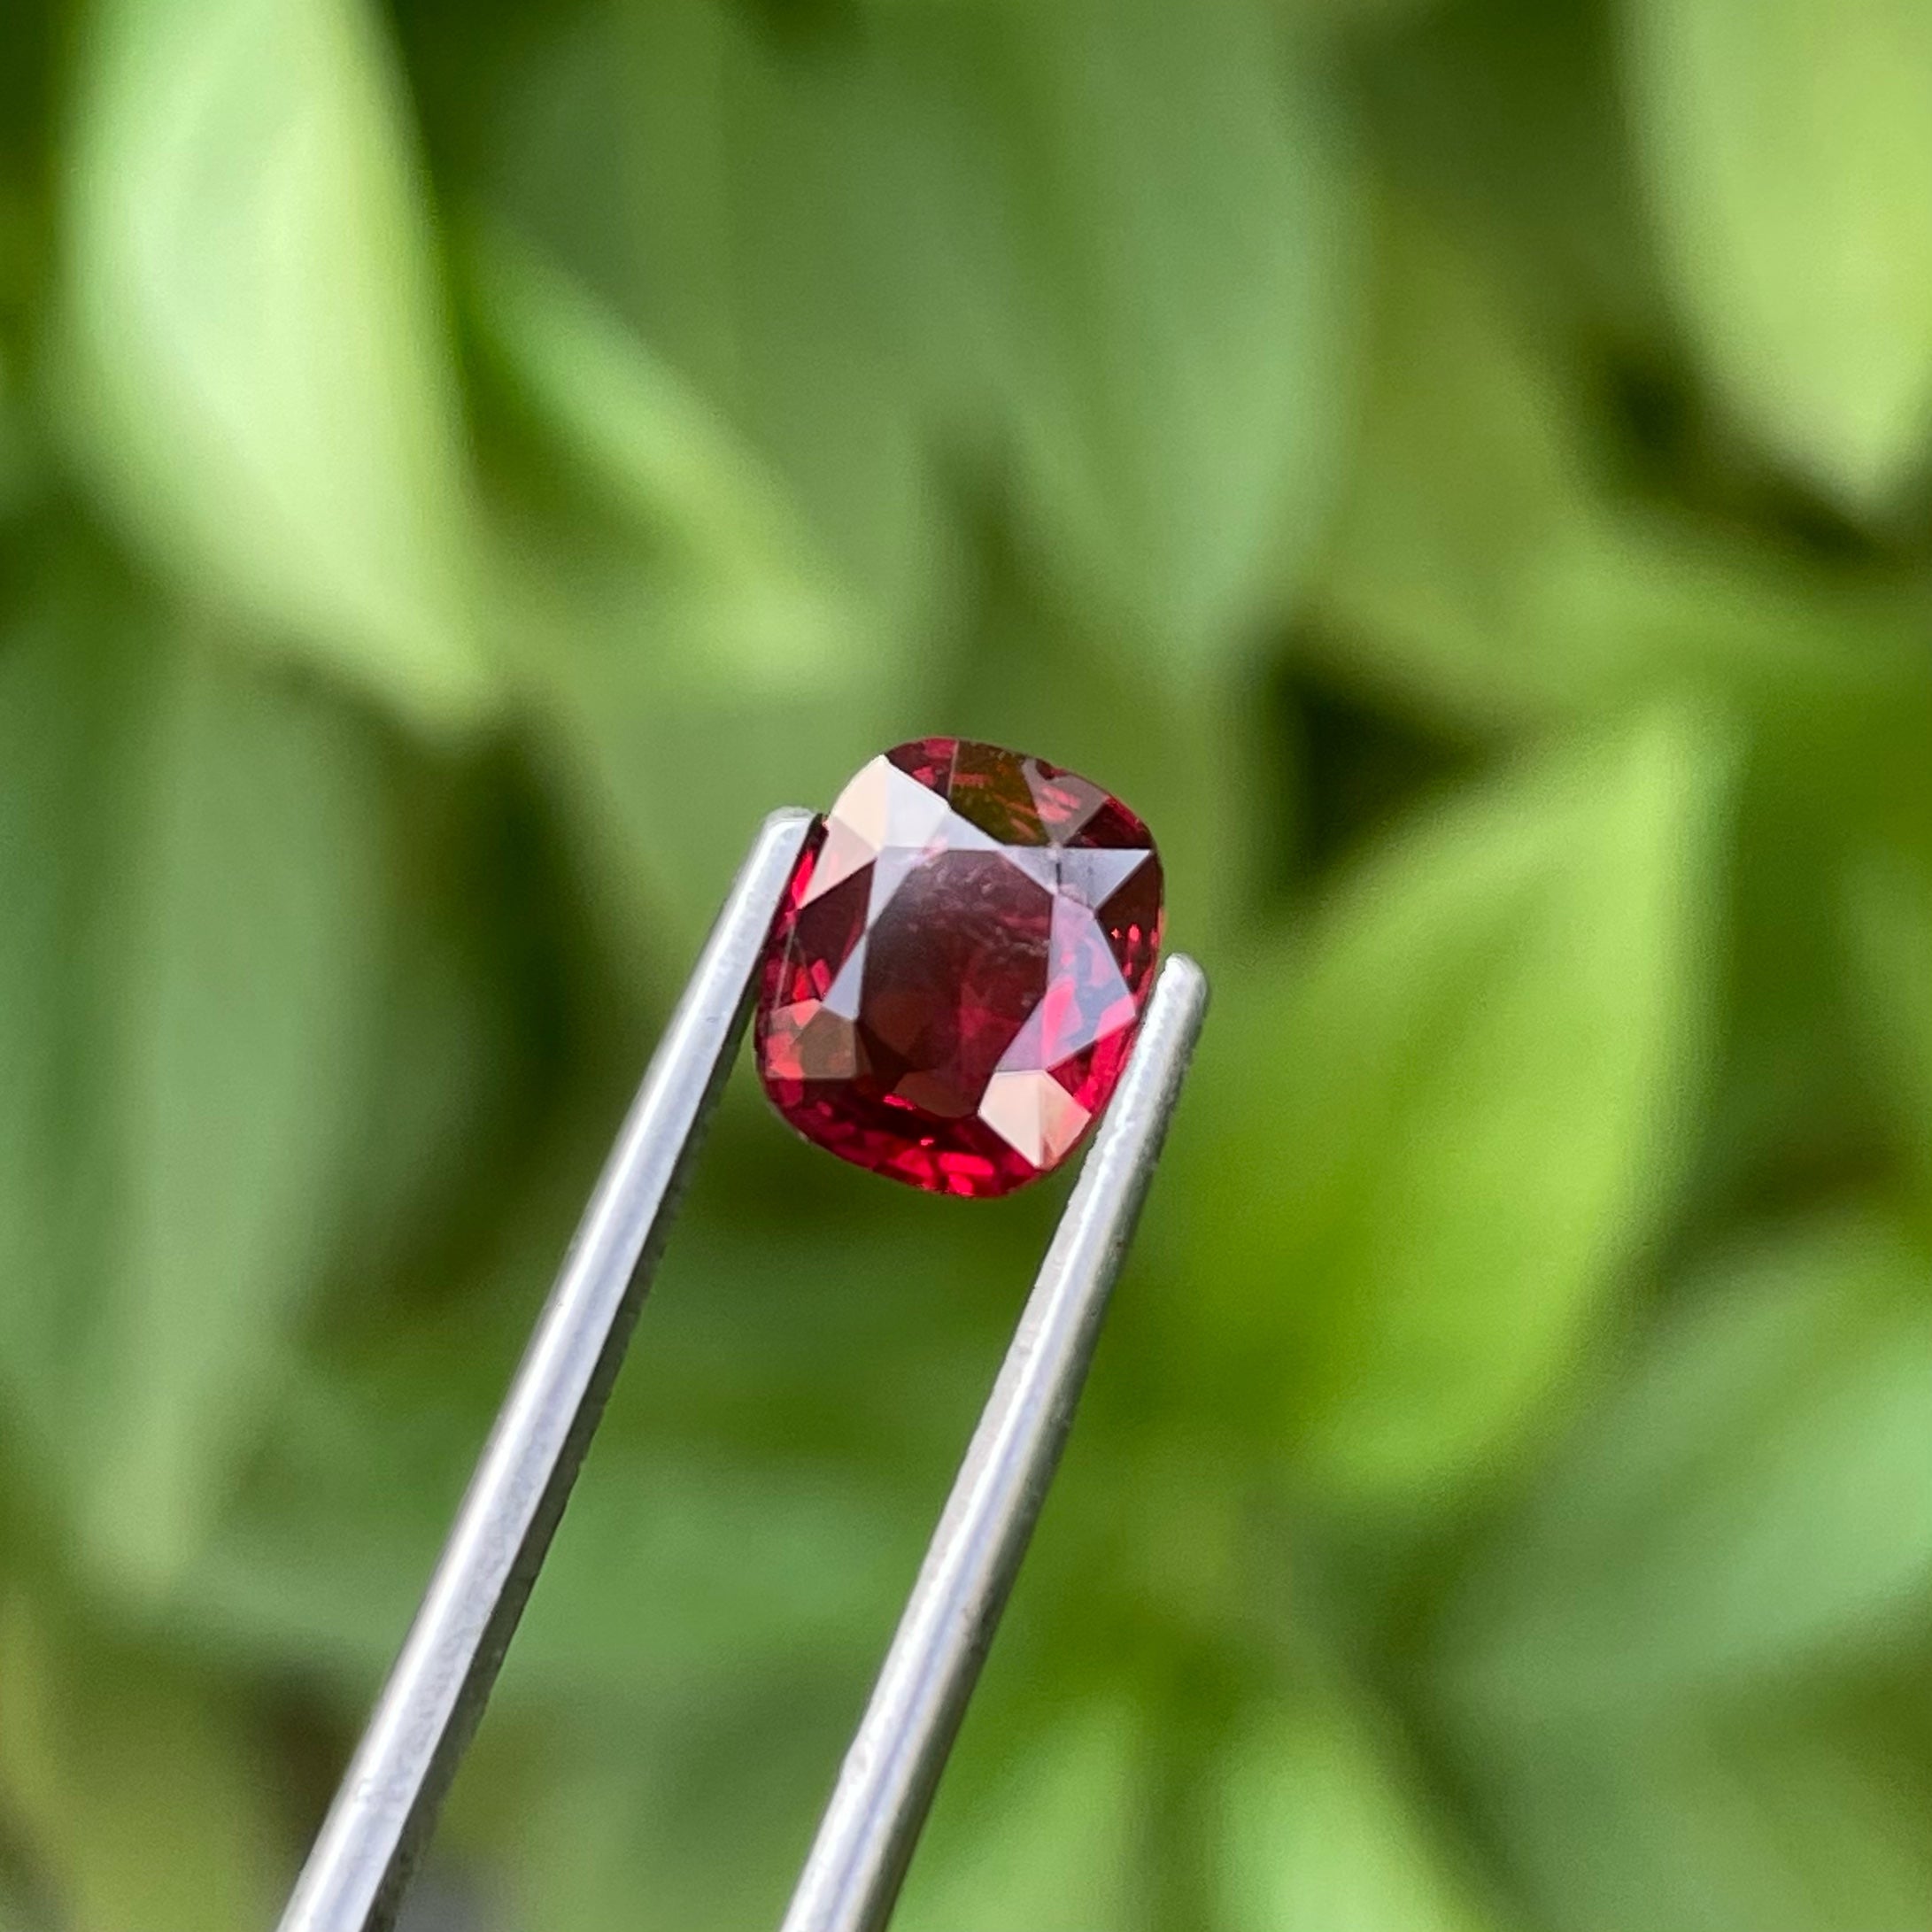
(953, 981)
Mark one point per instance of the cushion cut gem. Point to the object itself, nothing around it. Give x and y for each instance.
(959, 966)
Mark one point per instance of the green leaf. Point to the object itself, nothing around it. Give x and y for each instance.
(1891, 933)
(197, 855)
(692, 655)
(252, 370)
(140, 1787)
(1789, 154)
(635, 1828)
(1487, 564)
(1791, 1822)
(1112, 247)
(1468, 471)
(1471, 1091)
(746, 234)
(1145, 241)
(1751, 1503)
(1054, 1840)
(1501, 114)
(1322, 1833)
(720, 533)
(17, 457)
(59, 733)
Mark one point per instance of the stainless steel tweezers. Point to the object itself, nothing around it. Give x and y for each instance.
(429, 1707)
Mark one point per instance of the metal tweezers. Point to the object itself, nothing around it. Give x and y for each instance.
(428, 1710)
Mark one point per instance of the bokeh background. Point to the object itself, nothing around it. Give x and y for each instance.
(1460, 471)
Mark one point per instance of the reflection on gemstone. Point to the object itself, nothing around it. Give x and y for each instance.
(951, 990)
(1034, 1115)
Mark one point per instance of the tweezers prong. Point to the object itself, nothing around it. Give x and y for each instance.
(441, 1678)
(858, 1861)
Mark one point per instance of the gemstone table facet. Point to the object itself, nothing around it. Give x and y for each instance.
(965, 947)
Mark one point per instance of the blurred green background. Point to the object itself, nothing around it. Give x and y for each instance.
(1460, 471)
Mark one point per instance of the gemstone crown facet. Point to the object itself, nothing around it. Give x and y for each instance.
(962, 958)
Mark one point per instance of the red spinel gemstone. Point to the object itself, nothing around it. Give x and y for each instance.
(965, 950)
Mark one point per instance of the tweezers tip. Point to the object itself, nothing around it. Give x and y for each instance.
(1187, 977)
